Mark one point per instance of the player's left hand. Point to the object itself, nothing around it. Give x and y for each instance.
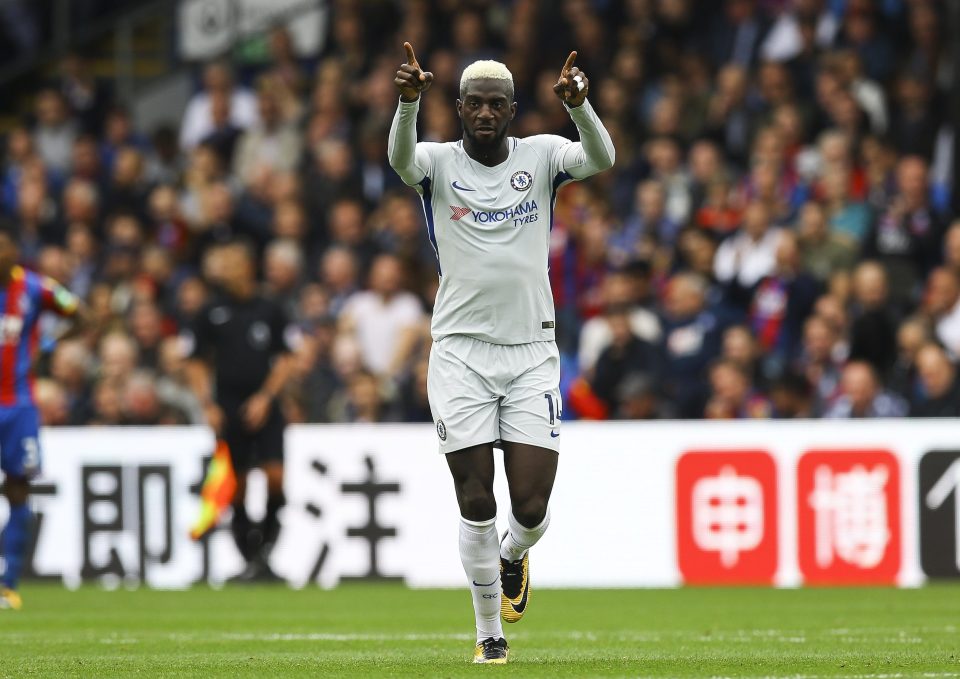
(573, 84)
(255, 411)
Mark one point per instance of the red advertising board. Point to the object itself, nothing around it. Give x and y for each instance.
(848, 513)
(727, 517)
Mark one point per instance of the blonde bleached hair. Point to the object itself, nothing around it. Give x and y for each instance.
(486, 69)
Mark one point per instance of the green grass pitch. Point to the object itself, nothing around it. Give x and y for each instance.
(384, 631)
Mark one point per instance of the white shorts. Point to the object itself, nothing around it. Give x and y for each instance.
(481, 392)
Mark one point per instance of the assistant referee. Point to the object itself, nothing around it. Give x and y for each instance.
(244, 337)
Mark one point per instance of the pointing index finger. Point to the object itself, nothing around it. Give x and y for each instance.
(411, 57)
(567, 66)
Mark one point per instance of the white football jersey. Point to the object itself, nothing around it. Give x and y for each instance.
(490, 228)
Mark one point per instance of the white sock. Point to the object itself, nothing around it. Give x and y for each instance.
(520, 538)
(480, 556)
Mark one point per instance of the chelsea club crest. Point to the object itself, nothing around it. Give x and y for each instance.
(521, 180)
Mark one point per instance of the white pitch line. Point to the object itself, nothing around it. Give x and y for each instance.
(878, 675)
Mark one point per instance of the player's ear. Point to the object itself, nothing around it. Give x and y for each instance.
(459, 109)
(513, 110)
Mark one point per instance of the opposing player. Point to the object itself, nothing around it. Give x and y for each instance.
(494, 366)
(23, 296)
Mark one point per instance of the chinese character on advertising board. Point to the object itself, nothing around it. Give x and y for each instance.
(726, 517)
(849, 517)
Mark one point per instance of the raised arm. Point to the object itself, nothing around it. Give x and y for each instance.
(411, 80)
(594, 152)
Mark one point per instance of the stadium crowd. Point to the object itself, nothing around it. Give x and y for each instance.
(774, 241)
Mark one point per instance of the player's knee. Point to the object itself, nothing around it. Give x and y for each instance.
(477, 503)
(240, 494)
(274, 474)
(17, 490)
(531, 511)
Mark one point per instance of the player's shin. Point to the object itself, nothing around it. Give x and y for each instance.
(481, 562)
(16, 536)
(519, 539)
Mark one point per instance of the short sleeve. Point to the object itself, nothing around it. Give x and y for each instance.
(196, 339)
(284, 336)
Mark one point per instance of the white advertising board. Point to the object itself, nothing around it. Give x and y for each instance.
(635, 505)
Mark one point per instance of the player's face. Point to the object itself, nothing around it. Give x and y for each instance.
(486, 111)
(8, 255)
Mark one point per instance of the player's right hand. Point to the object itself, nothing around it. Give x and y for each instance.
(411, 80)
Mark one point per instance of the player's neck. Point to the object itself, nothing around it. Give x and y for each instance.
(486, 155)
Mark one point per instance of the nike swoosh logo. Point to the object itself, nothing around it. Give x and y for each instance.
(477, 584)
(522, 605)
(458, 187)
(554, 434)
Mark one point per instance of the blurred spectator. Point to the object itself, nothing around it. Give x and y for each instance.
(791, 397)
(862, 395)
(618, 295)
(384, 319)
(272, 143)
(626, 355)
(691, 340)
(942, 305)
(283, 273)
(768, 151)
(732, 395)
(912, 334)
(224, 133)
(873, 331)
(941, 389)
(55, 131)
(781, 303)
(51, 400)
(823, 252)
(748, 255)
(198, 118)
(86, 96)
(905, 237)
